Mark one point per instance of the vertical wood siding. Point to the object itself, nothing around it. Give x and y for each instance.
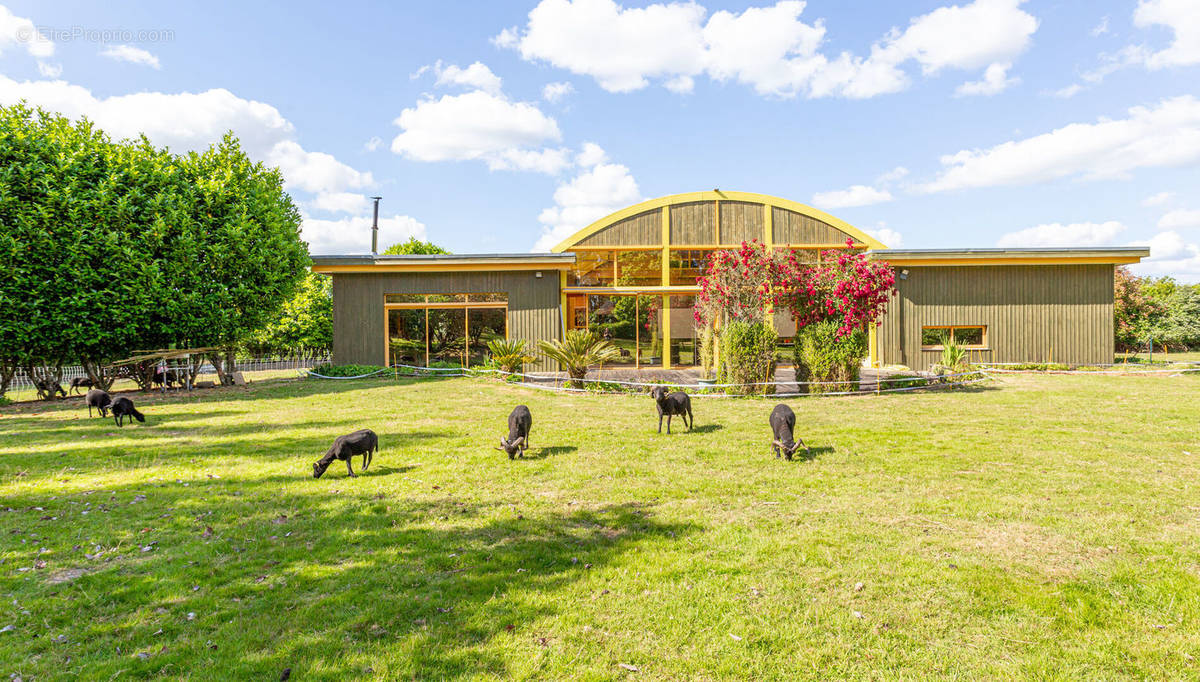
(358, 317)
(794, 228)
(741, 221)
(643, 229)
(694, 223)
(1033, 313)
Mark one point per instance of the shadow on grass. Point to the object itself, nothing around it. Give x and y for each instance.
(335, 585)
(551, 451)
(704, 428)
(812, 453)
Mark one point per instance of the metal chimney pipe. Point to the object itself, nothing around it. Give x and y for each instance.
(375, 229)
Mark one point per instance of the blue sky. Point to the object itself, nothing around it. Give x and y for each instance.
(503, 126)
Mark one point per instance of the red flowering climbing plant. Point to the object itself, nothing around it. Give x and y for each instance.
(745, 284)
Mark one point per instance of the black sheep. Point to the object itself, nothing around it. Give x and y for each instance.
(80, 382)
(99, 399)
(169, 377)
(670, 404)
(519, 422)
(362, 442)
(123, 407)
(783, 422)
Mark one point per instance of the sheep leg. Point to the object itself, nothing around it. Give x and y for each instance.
(350, 468)
(660, 416)
(691, 420)
(669, 415)
(367, 457)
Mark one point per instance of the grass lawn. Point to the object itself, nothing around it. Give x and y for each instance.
(1043, 527)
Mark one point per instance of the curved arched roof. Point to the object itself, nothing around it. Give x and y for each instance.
(718, 195)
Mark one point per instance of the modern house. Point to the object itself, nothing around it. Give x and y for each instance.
(631, 277)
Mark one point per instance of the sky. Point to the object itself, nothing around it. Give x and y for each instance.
(507, 126)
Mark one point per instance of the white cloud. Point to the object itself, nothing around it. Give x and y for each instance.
(477, 76)
(587, 197)
(1057, 234)
(352, 234)
(767, 48)
(1164, 135)
(315, 171)
(131, 54)
(1100, 28)
(555, 92)
(890, 238)
(1179, 219)
(48, 70)
(1157, 199)
(995, 80)
(21, 33)
(591, 154)
(480, 126)
(339, 202)
(1171, 254)
(1069, 91)
(1182, 17)
(894, 175)
(373, 144)
(855, 195)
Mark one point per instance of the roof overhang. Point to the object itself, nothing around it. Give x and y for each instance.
(468, 262)
(1116, 255)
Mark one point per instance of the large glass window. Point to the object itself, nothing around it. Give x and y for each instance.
(685, 342)
(687, 265)
(483, 325)
(592, 269)
(614, 318)
(649, 331)
(639, 268)
(970, 336)
(406, 337)
(447, 334)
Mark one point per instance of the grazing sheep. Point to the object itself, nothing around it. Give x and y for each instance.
(80, 382)
(670, 404)
(362, 442)
(50, 387)
(99, 399)
(519, 423)
(169, 377)
(783, 422)
(123, 407)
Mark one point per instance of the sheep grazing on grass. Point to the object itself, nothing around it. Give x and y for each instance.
(362, 442)
(98, 399)
(80, 382)
(671, 404)
(783, 422)
(49, 387)
(519, 423)
(123, 408)
(169, 377)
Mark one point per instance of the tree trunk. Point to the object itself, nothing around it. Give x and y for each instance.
(8, 369)
(230, 364)
(47, 379)
(577, 376)
(95, 371)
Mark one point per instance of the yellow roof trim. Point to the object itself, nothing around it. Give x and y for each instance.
(442, 267)
(717, 195)
(1065, 260)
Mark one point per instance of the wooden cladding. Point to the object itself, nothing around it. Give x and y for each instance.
(643, 229)
(1031, 313)
(793, 228)
(741, 221)
(694, 223)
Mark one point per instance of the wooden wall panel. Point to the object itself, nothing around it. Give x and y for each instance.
(358, 314)
(1034, 313)
(793, 228)
(643, 229)
(694, 223)
(741, 221)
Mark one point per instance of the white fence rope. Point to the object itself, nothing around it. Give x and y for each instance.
(258, 364)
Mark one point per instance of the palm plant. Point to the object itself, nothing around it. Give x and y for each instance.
(509, 354)
(577, 351)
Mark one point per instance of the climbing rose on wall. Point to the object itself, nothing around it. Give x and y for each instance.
(738, 285)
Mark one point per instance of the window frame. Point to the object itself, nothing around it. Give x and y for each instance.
(983, 345)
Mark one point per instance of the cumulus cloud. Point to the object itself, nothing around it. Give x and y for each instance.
(556, 92)
(477, 76)
(889, 237)
(1180, 219)
(592, 194)
(339, 202)
(995, 80)
(480, 126)
(1171, 254)
(315, 171)
(131, 54)
(769, 49)
(1167, 134)
(855, 195)
(20, 33)
(591, 154)
(1057, 234)
(352, 234)
(373, 144)
(1182, 18)
(1157, 199)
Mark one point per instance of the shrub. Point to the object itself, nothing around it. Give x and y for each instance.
(509, 354)
(823, 354)
(955, 361)
(579, 350)
(748, 356)
(331, 370)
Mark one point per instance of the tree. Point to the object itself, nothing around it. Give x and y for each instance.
(1133, 311)
(304, 326)
(1175, 316)
(413, 246)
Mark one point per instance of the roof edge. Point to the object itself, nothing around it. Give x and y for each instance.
(987, 256)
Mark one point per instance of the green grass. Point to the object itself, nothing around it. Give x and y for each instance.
(1043, 527)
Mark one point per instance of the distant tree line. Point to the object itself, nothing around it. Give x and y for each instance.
(110, 247)
(1158, 310)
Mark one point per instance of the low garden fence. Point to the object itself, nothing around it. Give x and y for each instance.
(258, 364)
